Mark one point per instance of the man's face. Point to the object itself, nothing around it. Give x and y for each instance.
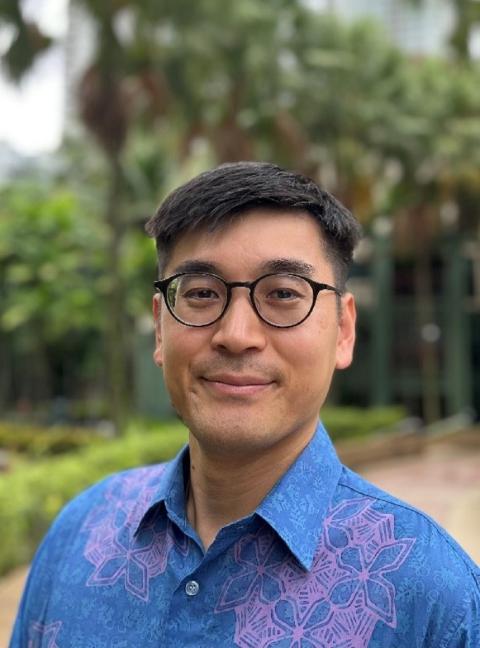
(240, 384)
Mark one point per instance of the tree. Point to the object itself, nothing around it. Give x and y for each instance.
(52, 264)
(272, 80)
(125, 84)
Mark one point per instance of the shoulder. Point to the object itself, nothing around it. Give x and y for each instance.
(126, 488)
(126, 493)
(435, 582)
(129, 491)
(406, 521)
(63, 555)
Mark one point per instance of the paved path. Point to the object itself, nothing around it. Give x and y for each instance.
(444, 482)
(10, 590)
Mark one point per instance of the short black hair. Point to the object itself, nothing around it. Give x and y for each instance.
(214, 198)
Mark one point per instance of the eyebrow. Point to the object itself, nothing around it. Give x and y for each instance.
(286, 265)
(195, 265)
(289, 266)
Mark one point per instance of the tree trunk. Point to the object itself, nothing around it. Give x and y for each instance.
(425, 316)
(116, 350)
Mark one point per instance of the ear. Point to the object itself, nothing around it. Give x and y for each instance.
(346, 332)
(158, 352)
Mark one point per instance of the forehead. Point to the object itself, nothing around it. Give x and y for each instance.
(251, 242)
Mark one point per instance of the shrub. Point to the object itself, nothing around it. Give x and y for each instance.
(348, 422)
(38, 441)
(32, 495)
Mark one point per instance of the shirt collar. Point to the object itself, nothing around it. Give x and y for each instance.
(297, 505)
(170, 489)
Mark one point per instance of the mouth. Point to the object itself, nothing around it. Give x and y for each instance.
(237, 385)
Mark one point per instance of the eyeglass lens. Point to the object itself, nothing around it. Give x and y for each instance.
(200, 299)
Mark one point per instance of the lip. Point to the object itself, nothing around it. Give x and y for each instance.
(239, 380)
(237, 385)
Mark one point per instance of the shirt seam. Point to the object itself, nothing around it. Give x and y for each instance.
(427, 518)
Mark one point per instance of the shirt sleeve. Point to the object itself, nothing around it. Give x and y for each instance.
(32, 621)
(32, 600)
(467, 633)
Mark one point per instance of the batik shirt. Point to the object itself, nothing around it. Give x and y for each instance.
(327, 560)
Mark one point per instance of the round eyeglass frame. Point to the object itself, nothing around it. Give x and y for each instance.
(162, 286)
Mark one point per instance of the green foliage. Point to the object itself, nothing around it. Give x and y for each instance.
(39, 441)
(270, 80)
(32, 495)
(51, 260)
(353, 422)
(54, 286)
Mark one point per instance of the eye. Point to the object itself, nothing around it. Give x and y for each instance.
(283, 291)
(200, 294)
(199, 290)
(283, 294)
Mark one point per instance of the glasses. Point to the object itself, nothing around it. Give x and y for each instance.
(200, 299)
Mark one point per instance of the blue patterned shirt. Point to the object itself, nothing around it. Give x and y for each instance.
(326, 560)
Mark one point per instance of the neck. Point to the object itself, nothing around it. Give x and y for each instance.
(223, 489)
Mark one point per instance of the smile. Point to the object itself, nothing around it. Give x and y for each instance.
(237, 385)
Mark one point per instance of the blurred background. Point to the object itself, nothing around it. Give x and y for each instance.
(106, 105)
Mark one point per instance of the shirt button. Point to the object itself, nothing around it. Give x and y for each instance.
(192, 588)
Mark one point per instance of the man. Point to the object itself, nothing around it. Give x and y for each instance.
(255, 535)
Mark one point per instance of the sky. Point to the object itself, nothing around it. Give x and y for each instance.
(31, 114)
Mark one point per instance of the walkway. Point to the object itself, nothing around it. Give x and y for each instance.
(444, 482)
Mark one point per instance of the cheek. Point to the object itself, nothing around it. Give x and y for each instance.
(175, 372)
(181, 346)
(311, 355)
(173, 352)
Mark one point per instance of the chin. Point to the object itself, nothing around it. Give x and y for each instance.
(228, 434)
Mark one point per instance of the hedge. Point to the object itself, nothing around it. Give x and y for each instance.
(352, 422)
(32, 495)
(36, 441)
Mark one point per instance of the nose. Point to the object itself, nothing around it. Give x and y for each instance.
(240, 329)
